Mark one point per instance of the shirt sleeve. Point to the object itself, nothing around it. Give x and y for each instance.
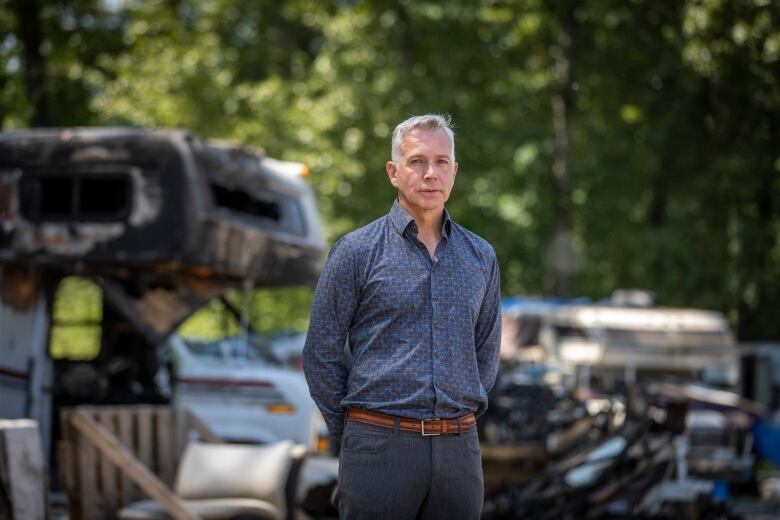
(324, 363)
(487, 335)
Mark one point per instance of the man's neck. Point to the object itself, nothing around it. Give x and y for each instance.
(429, 225)
(428, 221)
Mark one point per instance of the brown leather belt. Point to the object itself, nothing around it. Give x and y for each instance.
(427, 427)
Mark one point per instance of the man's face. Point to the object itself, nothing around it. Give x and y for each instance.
(425, 172)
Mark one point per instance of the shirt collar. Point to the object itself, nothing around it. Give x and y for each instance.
(401, 219)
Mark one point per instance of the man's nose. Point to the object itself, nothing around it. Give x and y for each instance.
(430, 171)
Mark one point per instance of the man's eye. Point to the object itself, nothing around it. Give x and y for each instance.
(443, 162)
(416, 161)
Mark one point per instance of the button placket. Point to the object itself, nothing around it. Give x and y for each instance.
(437, 333)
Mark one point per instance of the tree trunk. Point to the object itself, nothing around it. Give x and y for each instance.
(562, 261)
(756, 320)
(28, 30)
(406, 44)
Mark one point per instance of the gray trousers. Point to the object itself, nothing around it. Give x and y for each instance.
(391, 473)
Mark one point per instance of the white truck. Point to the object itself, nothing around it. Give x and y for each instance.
(243, 394)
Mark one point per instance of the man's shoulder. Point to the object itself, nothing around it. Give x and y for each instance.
(362, 238)
(475, 242)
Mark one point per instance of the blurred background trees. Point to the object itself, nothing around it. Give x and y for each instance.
(602, 144)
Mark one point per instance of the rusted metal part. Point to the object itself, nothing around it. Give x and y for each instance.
(157, 311)
(8, 205)
(264, 258)
(63, 239)
(19, 286)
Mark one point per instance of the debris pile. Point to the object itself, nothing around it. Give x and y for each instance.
(674, 451)
(526, 413)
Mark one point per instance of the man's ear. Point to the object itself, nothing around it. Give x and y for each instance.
(391, 173)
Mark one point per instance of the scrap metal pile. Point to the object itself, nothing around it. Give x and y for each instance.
(671, 451)
(526, 412)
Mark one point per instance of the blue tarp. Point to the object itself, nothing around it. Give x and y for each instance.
(539, 305)
(767, 441)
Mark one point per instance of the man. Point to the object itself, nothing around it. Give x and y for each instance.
(415, 297)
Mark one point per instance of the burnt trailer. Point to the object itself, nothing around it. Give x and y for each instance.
(162, 221)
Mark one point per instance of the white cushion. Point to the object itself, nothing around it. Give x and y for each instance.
(219, 471)
(210, 509)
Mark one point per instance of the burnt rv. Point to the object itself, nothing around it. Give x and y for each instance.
(161, 221)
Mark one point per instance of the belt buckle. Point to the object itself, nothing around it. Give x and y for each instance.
(422, 426)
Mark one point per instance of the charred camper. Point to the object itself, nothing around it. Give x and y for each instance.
(582, 343)
(161, 221)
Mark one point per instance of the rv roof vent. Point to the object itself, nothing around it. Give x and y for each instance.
(633, 298)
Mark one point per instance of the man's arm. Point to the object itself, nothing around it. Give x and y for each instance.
(487, 334)
(324, 365)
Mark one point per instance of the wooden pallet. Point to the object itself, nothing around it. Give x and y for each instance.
(110, 456)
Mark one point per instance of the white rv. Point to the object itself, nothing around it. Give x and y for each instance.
(610, 341)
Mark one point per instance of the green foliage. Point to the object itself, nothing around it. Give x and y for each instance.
(265, 310)
(76, 316)
(78, 35)
(675, 126)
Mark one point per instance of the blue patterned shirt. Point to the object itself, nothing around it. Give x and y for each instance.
(396, 331)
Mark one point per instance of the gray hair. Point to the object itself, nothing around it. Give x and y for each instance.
(427, 122)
